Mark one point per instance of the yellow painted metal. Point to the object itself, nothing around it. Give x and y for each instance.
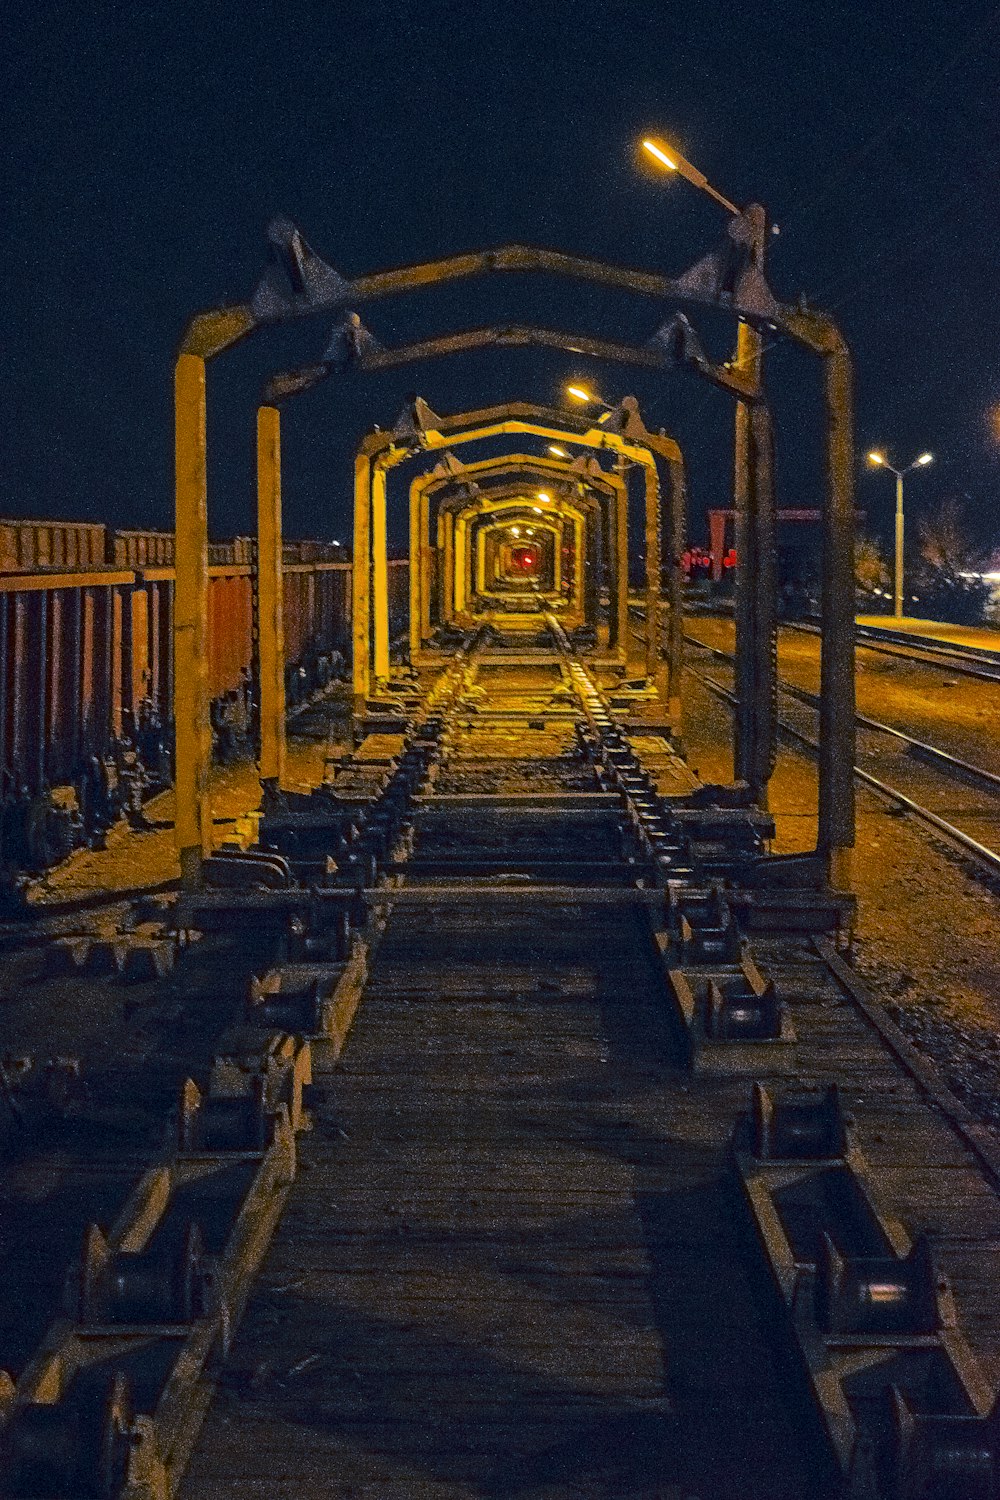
(484, 539)
(621, 573)
(607, 482)
(458, 568)
(416, 577)
(26, 583)
(512, 419)
(270, 595)
(652, 505)
(209, 333)
(837, 790)
(448, 601)
(676, 530)
(550, 526)
(380, 572)
(579, 572)
(512, 497)
(426, 568)
(193, 817)
(361, 584)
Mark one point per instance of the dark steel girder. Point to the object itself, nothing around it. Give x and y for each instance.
(298, 283)
(656, 355)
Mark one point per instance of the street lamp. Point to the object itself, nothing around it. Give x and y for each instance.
(879, 461)
(587, 398)
(754, 504)
(675, 162)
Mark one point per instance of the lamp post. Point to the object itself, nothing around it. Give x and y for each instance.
(879, 461)
(756, 522)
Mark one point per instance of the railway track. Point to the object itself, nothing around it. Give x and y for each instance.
(929, 773)
(610, 1179)
(969, 661)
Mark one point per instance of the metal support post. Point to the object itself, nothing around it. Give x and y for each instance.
(380, 573)
(480, 561)
(270, 596)
(193, 815)
(897, 582)
(592, 566)
(837, 705)
(763, 586)
(754, 647)
(448, 593)
(426, 567)
(744, 749)
(676, 528)
(620, 602)
(458, 537)
(416, 577)
(361, 585)
(653, 565)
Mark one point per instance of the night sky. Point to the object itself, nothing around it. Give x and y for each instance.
(146, 146)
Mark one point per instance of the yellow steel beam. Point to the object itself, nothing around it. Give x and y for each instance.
(426, 567)
(652, 503)
(416, 581)
(193, 816)
(380, 573)
(361, 584)
(621, 574)
(540, 421)
(270, 595)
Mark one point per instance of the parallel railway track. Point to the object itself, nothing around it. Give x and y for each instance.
(968, 661)
(954, 769)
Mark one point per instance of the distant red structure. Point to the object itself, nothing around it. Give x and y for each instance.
(717, 521)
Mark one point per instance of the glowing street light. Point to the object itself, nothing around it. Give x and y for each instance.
(558, 452)
(587, 398)
(675, 162)
(546, 499)
(878, 460)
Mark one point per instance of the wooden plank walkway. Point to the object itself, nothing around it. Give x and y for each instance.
(513, 1262)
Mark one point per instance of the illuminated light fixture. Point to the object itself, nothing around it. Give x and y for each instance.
(579, 394)
(530, 531)
(543, 496)
(536, 510)
(558, 452)
(672, 159)
(515, 531)
(661, 155)
(878, 460)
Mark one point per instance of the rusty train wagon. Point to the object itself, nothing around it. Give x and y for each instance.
(86, 644)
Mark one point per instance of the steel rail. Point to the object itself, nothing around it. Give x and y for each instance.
(886, 643)
(989, 858)
(954, 764)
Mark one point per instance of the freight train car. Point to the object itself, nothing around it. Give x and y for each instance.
(86, 665)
